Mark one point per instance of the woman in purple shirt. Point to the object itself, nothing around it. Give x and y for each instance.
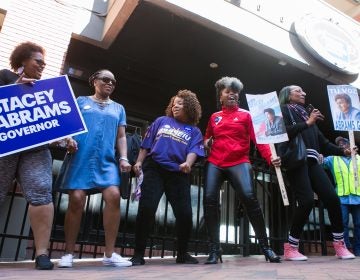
(170, 148)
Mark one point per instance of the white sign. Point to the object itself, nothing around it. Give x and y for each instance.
(267, 119)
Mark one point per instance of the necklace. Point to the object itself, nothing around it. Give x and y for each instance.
(101, 101)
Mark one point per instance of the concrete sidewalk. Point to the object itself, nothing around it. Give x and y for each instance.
(233, 267)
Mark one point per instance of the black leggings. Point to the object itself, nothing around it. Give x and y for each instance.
(241, 178)
(176, 186)
(305, 181)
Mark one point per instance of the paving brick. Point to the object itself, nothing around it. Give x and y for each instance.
(233, 267)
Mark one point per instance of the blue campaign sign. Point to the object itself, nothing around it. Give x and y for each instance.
(33, 115)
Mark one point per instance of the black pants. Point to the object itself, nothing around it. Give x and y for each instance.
(305, 181)
(176, 186)
(241, 178)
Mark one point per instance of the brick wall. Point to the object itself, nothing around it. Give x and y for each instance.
(45, 22)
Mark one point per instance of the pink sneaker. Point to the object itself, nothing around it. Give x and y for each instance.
(292, 253)
(341, 251)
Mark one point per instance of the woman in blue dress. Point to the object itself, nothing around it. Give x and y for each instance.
(92, 167)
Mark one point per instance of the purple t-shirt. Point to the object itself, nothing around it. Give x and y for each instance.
(170, 141)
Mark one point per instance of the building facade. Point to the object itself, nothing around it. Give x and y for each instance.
(156, 47)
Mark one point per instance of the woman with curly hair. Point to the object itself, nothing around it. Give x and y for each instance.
(228, 137)
(31, 168)
(169, 149)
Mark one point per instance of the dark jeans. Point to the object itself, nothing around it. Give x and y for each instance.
(304, 181)
(241, 178)
(176, 186)
(354, 210)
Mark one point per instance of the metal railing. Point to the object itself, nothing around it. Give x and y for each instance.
(237, 237)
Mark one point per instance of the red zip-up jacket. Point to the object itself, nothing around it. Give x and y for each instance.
(232, 130)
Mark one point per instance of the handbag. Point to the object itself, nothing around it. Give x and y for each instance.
(62, 175)
(125, 185)
(293, 152)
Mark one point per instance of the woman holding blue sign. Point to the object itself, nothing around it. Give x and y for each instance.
(30, 168)
(310, 177)
(93, 167)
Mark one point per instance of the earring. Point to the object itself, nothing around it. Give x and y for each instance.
(20, 70)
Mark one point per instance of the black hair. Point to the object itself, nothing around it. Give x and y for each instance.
(270, 111)
(23, 52)
(345, 97)
(95, 75)
(227, 82)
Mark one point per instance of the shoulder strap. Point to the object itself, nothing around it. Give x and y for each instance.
(291, 116)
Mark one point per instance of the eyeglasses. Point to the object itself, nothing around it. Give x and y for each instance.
(40, 62)
(107, 80)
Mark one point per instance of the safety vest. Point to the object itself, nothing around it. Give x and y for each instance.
(344, 176)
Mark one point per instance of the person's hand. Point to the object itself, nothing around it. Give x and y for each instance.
(315, 116)
(125, 166)
(185, 167)
(137, 168)
(348, 152)
(321, 159)
(22, 79)
(208, 143)
(276, 161)
(71, 145)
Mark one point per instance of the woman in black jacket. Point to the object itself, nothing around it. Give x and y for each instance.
(310, 177)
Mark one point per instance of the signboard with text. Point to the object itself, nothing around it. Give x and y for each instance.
(267, 119)
(345, 107)
(32, 115)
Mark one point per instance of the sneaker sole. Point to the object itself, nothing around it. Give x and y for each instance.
(137, 263)
(65, 266)
(296, 259)
(346, 257)
(44, 267)
(118, 264)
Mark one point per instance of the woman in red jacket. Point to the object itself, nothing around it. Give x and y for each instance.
(227, 137)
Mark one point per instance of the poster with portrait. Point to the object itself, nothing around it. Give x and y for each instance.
(267, 119)
(345, 107)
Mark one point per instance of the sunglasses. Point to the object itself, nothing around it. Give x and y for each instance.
(40, 62)
(107, 80)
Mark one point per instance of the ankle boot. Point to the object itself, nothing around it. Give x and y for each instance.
(214, 254)
(270, 255)
(268, 252)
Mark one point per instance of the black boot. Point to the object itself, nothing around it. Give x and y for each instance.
(212, 221)
(214, 254)
(257, 221)
(268, 252)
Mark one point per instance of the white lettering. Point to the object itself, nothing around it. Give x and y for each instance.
(18, 132)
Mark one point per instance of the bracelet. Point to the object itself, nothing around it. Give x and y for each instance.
(123, 158)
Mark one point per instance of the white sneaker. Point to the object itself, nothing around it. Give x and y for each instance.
(116, 260)
(66, 261)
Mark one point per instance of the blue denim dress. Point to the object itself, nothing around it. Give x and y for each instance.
(94, 165)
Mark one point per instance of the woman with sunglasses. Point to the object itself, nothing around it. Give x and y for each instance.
(30, 168)
(91, 166)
